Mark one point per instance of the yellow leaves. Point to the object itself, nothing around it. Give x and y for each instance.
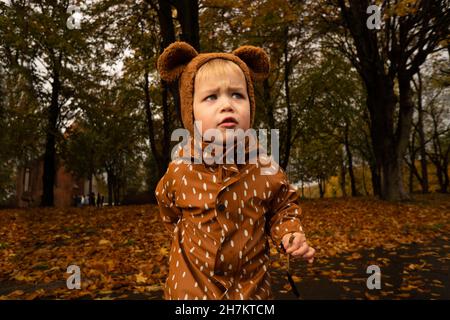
(16, 293)
(355, 256)
(61, 236)
(79, 237)
(110, 264)
(36, 294)
(409, 288)
(413, 266)
(437, 283)
(276, 264)
(273, 251)
(370, 296)
(325, 273)
(341, 280)
(152, 288)
(141, 278)
(23, 278)
(163, 251)
(405, 7)
(118, 250)
(343, 225)
(287, 287)
(104, 242)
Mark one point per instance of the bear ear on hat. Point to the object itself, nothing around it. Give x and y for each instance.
(174, 59)
(256, 59)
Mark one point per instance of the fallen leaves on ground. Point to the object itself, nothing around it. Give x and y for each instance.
(119, 249)
(124, 250)
(335, 226)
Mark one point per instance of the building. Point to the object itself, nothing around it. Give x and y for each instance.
(29, 185)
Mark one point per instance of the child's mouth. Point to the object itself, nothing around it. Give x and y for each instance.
(228, 124)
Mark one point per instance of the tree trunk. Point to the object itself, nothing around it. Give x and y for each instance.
(350, 162)
(442, 169)
(423, 157)
(364, 179)
(287, 71)
(268, 105)
(90, 184)
(150, 126)
(168, 36)
(321, 187)
(404, 125)
(411, 179)
(388, 146)
(446, 183)
(381, 102)
(49, 173)
(412, 162)
(110, 186)
(166, 131)
(376, 179)
(116, 190)
(343, 182)
(187, 11)
(303, 190)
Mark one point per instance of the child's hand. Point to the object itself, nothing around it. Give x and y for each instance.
(298, 247)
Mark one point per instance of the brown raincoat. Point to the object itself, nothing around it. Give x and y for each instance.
(221, 214)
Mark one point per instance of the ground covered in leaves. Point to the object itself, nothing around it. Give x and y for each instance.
(122, 252)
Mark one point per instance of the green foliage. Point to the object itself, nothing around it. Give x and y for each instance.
(103, 125)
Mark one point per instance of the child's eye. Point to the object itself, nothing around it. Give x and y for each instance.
(211, 96)
(238, 94)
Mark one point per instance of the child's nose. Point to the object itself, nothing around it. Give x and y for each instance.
(226, 105)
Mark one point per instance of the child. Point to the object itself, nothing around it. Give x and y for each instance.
(220, 213)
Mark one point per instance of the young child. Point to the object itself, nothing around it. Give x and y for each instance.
(221, 213)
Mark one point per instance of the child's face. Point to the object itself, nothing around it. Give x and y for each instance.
(218, 98)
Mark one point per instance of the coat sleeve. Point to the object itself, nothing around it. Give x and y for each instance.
(284, 213)
(165, 195)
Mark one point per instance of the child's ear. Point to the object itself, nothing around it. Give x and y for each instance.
(256, 59)
(174, 59)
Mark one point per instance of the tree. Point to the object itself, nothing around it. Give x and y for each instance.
(412, 30)
(36, 37)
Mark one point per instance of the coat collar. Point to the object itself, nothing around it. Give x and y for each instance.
(199, 151)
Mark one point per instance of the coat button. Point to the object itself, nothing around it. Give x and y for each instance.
(221, 207)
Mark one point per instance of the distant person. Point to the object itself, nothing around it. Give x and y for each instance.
(98, 199)
(92, 199)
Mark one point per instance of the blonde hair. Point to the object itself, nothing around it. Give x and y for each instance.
(220, 67)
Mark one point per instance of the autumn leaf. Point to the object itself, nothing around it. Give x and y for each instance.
(163, 251)
(140, 278)
(276, 264)
(104, 242)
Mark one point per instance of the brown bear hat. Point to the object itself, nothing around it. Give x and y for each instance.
(180, 61)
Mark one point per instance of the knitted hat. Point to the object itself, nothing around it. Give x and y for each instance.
(180, 61)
